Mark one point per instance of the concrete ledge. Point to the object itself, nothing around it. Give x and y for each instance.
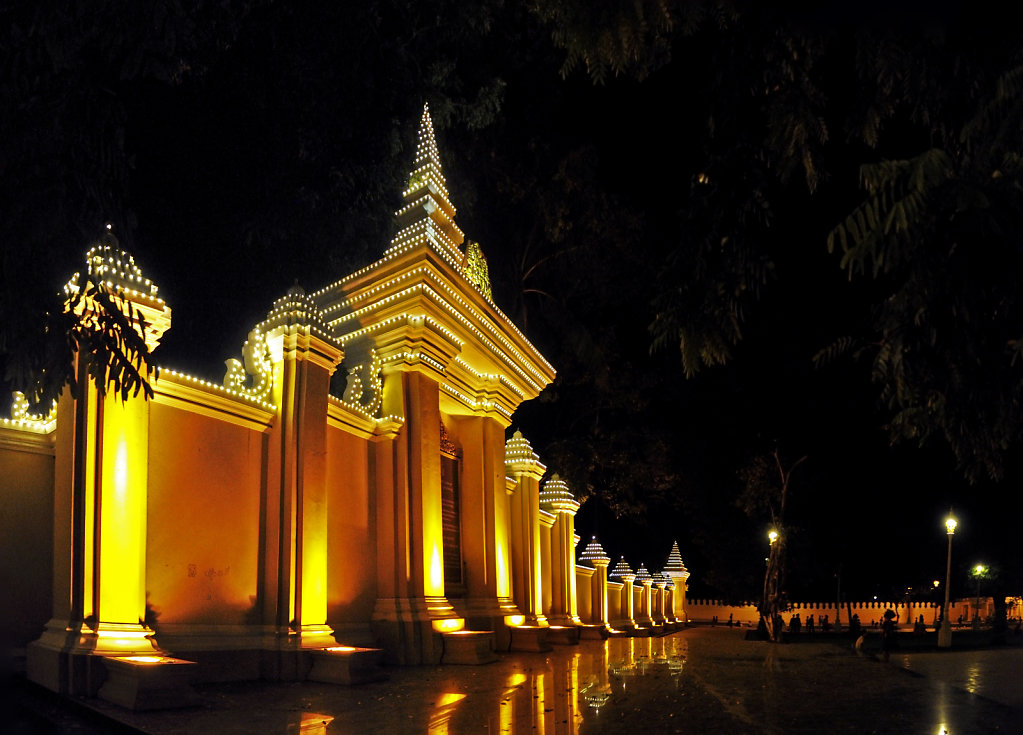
(149, 682)
(593, 632)
(468, 647)
(563, 635)
(346, 665)
(641, 632)
(529, 638)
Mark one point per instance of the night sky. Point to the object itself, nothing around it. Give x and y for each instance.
(277, 156)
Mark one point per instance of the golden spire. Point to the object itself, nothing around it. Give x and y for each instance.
(428, 215)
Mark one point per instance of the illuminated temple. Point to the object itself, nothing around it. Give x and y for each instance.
(263, 528)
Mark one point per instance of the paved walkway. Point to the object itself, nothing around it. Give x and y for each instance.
(701, 681)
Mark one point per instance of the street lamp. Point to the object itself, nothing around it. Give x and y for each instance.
(978, 573)
(768, 607)
(945, 633)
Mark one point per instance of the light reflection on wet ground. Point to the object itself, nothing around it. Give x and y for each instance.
(564, 692)
(990, 673)
(576, 686)
(699, 681)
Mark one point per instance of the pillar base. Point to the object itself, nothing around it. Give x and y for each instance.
(493, 614)
(468, 647)
(316, 636)
(149, 682)
(346, 665)
(529, 638)
(409, 629)
(67, 657)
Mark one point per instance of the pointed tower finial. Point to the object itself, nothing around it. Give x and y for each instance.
(427, 164)
(428, 215)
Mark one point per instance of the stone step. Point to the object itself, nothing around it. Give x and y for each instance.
(468, 647)
(529, 638)
(563, 635)
(593, 632)
(149, 682)
(345, 665)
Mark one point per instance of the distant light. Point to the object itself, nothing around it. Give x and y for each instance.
(950, 525)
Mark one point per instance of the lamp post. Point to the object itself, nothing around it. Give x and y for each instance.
(945, 633)
(769, 604)
(978, 573)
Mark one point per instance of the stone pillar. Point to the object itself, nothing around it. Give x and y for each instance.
(303, 358)
(675, 569)
(524, 466)
(557, 499)
(669, 600)
(644, 617)
(100, 500)
(411, 606)
(487, 527)
(658, 608)
(594, 556)
(623, 573)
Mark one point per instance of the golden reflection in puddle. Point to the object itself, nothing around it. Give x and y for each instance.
(540, 705)
(973, 679)
(566, 691)
(310, 723)
(593, 674)
(444, 707)
(507, 703)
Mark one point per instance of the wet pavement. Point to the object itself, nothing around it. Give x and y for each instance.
(701, 681)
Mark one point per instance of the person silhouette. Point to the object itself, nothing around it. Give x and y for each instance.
(887, 634)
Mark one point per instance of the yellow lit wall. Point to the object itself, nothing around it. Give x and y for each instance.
(26, 552)
(584, 581)
(203, 546)
(352, 563)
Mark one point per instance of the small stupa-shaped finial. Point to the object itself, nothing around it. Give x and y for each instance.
(623, 571)
(593, 555)
(518, 450)
(555, 497)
